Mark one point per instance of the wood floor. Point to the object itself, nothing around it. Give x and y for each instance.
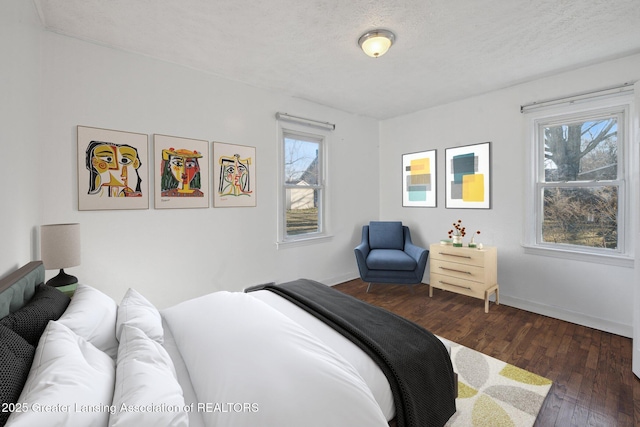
(591, 370)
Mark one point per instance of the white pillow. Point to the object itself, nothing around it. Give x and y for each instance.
(146, 384)
(135, 310)
(70, 383)
(92, 315)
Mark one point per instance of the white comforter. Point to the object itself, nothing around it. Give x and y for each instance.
(252, 366)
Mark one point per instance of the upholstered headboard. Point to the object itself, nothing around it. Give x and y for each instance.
(19, 287)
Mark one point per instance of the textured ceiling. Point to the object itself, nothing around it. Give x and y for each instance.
(445, 50)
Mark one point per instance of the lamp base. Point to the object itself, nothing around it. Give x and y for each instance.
(62, 279)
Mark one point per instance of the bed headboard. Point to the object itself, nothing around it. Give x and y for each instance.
(18, 287)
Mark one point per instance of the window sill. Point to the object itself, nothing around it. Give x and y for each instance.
(304, 241)
(615, 260)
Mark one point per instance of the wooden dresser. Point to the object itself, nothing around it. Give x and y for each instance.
(466, 271)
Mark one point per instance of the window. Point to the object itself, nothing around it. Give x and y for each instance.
(302, 200)
(579, 179)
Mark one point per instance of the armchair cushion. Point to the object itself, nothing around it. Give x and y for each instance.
(390, 259)
(386, 235)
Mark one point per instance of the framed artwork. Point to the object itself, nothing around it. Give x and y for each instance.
(234, 175)
(181, 168)
(419, 181)
(468, 176)
(113, 169)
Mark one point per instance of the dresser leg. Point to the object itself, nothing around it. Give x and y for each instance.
(487, 294)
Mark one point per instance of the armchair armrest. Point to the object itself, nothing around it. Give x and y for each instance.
(415, 252)
(362, 252)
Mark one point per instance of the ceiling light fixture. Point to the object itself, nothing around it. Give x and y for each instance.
(377, 42)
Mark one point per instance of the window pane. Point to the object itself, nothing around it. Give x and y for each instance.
(302, 211)
(581, 151)
(581, 216)
(301, 161)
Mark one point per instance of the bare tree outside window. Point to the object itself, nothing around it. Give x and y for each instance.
(580, 189)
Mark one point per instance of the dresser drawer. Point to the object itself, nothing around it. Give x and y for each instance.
(467, 271)
(460, 286)
(458, 270)
(461, 255)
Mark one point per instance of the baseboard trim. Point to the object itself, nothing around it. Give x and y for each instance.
(336, 280)
(568, 315)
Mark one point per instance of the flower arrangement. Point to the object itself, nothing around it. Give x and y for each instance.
(458, 232)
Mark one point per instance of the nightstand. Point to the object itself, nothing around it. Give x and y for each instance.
(467, 271)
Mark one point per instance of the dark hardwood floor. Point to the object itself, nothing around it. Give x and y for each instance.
(593, 384)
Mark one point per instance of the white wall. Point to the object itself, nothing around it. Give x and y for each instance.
(53, 83)
(217, 248)
(19, 132)
(595, 295)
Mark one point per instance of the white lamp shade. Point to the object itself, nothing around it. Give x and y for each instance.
(60, 245)
(376, 43)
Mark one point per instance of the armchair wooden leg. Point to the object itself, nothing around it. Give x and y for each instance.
(369, 287)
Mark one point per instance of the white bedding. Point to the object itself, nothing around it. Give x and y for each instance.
(365, 366)
(255, 366)
(224, 359)
(182, 374)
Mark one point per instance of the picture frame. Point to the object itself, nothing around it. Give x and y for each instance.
(468, 176)
(181, 174)
(234, 175)
(113, 169)
(419, 179)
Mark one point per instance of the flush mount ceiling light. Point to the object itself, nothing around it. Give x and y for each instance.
(377, 42)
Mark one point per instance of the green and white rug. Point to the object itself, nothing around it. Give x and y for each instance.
(494, 393)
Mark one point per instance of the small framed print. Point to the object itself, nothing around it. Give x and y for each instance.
(234, 175)
(419, 180)
(468, 176)
(112, 169)
(181, 172)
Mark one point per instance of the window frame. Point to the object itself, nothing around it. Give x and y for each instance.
(590, 109)
(317, 136)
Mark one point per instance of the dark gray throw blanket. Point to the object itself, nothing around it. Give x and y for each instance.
(415, 362)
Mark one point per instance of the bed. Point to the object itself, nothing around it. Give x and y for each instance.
(253, 358)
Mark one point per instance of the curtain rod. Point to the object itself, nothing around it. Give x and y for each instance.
(613, 90)
(305, 121)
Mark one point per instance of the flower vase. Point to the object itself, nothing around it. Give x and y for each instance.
(472, 243)
(457, 241)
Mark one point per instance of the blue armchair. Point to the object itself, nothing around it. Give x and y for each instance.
(387, 255)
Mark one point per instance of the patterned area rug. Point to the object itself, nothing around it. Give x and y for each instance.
(494, 393)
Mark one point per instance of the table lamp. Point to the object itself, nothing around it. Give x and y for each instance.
(60, 248)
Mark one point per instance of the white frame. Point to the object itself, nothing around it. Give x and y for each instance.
(534, 164)
(323, 223)
(483, 164)
(431, 196)
(245, 199)
(140, 142)
(161, 142)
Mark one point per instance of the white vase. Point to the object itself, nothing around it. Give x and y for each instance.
(457, 241)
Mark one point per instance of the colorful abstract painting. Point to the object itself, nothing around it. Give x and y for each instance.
(234, 175)
(468, 176)
(181, 172)
(419, 179)
(112, 169)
